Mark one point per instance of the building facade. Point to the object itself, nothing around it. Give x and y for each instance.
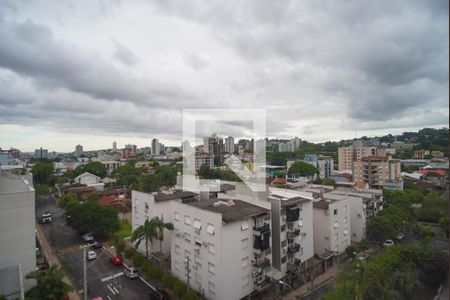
(375, 171)
(229, 145)
(156, 147)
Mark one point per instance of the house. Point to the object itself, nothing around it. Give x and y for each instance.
(90, 180)
(421, 153)
(438, 177)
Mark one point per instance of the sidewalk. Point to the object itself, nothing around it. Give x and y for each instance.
(53, 260)
(318, 282)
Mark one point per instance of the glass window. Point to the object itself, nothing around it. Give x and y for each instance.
(187, 220)
(335, 212)
(210, 229)
(211, 248)
(244, 262)
(244, 226)
(211, 268)
(197, 224)
(211, 287)
(244, 243)
(245, 280)
(177, 249)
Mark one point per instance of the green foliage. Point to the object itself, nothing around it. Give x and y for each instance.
(190, 295)
(50, 284)
(43, 173)
(155, 272)
(423, 232)
(434, 207)
(303, 169)
(41, 189)
(328, 181)
(93, 197)
(67, 200)
(351, 251)
(95, 167)
(280, 174)
(179, 288)
(92, 217)
(168, 281)
(364, 245)
(119, 245)
(129, 252)
(124, 229)
(206, 173)
(145, 233)
(138, 259)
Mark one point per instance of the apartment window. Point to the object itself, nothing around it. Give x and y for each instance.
(211, 287)
(187, 237)
(244, 262)
(187, 220)
(210, 229)
(245, 280)
(335, 212)
(187, 253)
(177, 216)
(283, 228)
(211, 248)
(283, 259)
(177, 265)
(211, 268)
(177, 249)
(244, 226)
(284, 243)
(197, 224)
(244, 243)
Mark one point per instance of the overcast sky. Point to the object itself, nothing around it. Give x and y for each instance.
(90, 72)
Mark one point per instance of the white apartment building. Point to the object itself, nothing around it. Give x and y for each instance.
(229, 144)
(332, 228)
(156, 147)
(17, 234)
(145, 206)
(222, 247)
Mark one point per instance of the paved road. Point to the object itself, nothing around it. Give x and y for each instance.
(66, 244)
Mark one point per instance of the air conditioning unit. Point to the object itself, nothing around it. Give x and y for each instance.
(195, 267)
(327, 238)
(197, 251)
(179, 234)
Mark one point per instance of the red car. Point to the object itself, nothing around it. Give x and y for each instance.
(116, 260)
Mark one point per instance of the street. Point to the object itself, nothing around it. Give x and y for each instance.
(104, 279)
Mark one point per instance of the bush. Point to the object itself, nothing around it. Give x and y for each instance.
(364, 245)
(138, 259)
(145, 268)
(155, 272)
(351, 251)
(179, 288)
(129, 253)
(168, 281)
(190, 295)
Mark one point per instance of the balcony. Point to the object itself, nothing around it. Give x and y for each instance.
(260, 249)
(290, 234)
(261, 229)
(294, 248)
(292, 214)
(261, 284)
(263, 264)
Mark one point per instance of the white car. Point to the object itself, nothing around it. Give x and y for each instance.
(46, 217)
(388, 243)
(91, 255)
(87, 237)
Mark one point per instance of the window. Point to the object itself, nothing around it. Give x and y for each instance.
(187, 220)
(244, 262)
(187, 237)
(211, 268)
(244, 226)
(177, 216)
(244, 243)
(211, 248)
(211, 287)
(283, 228)
(177, 249)
(197, 224)
(177, 266)
(335, 212)
(345, 220)
(283, 259)
(245, 280)
(210, 229)
(284, 243)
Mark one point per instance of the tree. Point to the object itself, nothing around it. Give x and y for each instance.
(41, 189)
(95, 167)
(50, 284)
(328, 181)
(303, 169)
(380, 228)
(43, 173)
(144, 232)
(160, 226)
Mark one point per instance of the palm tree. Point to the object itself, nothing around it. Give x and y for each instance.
(160, 226)
(144, 232)
(50, 284)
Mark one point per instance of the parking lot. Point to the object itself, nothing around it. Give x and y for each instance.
(104, 279)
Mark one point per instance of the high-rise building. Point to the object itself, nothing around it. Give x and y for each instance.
(350, 154)
(289, 146)
(41, 153)
(17, 234)
(375, 171)
(78, 150)
(229, 144)
(114, 146)
(215, 148)
(156, 147)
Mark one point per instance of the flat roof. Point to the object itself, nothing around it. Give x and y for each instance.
(178, 194)
(230, 209)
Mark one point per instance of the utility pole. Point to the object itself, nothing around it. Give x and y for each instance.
(84, 275)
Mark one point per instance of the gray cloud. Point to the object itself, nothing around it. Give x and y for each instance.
(124, 54)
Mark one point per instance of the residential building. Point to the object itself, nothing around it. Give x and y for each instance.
(90, 180)
(111, 165)
(289, 146)
(229, 145)
(350, 154)
(215, 148)
(203, 159)
(325, 165)
(78, 150)
(222, 247)
(41, 153)
(437, 154)
(17, 234)
(114, 146)
(6, 158)
(156, 147)
(375, 171)
(421, 154)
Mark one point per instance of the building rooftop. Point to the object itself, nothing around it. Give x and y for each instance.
(231, 210)
(178, 194)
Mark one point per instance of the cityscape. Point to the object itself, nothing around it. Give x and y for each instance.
(224, 151)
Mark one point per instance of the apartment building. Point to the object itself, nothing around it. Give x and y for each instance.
(156, 147)
(222, 247)
(421, 153)
(332, 231)
(375, 171)
(17, 234)
(229, 145)
(215, 148)
(350, 154)
(145, 206)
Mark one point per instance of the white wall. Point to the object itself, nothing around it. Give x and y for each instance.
(358, 219)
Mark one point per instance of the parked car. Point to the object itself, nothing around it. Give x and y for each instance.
(388, 243)
(91, 255)
(130, 272)
(87, 237)
(158, 295)
(116, 260)
(46, 217)
(400, 236)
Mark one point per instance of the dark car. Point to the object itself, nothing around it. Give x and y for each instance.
(158, 295)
